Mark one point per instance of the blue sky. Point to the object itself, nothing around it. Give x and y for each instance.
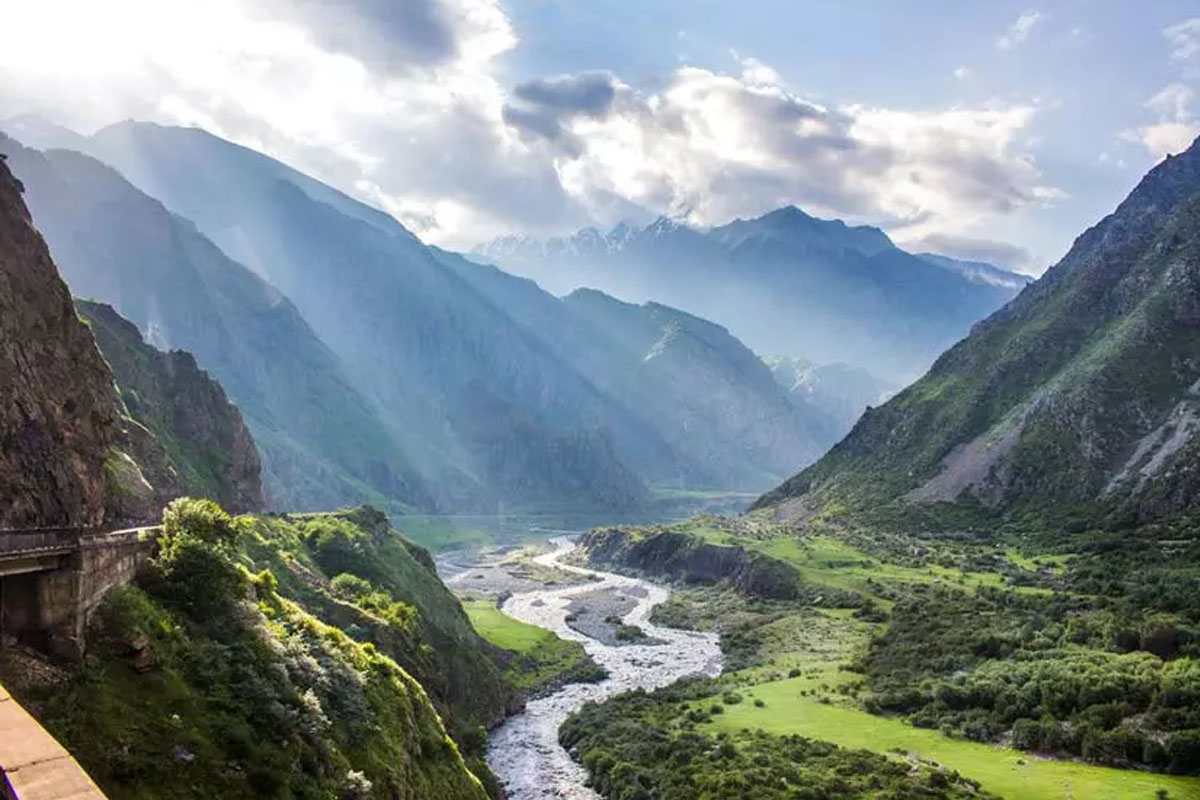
(996, 130)
(1089, 65)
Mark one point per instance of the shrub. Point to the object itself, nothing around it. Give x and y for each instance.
(349, 586)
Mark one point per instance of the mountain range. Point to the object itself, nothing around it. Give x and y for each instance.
(373, 368)
(785, 283)
(1079, 400)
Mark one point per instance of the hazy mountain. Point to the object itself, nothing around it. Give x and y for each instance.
(784, 283)
(718, 416)
(979, 272)
(840, 391)
(322, 443)
(1083, 393)
(486, 411)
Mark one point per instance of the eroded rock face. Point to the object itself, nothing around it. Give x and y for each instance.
(58, 406)
(70, 455)
(206, 449)
(689, 558)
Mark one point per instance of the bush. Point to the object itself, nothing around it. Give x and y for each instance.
(349, 586)
(195, 569)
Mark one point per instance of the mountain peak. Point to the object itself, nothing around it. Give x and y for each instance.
(791, 214)
(793, 225)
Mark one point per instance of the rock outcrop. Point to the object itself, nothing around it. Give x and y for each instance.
(675, 555)
(61, 463)
(208, 450)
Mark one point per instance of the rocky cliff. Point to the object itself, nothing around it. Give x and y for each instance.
(207, 445)
(63, 442)
(681, 556)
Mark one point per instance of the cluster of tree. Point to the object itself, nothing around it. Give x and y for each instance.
(1054, 673)
(640, 746)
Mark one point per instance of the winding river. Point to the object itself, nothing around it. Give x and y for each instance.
(524, 751)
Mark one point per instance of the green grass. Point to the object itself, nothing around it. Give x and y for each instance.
(1055, 563)
(502, 630)
(542, 659)
(831, 562)
(819, 703)
(1000, 770)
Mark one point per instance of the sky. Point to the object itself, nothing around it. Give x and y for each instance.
(996, 130)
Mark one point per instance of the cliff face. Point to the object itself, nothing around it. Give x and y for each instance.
(208, 449)
(670, 554)
(59, 410)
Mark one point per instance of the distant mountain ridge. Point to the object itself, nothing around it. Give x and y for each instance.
(1079, 397)
(785, 283)
(460, 390)
(720, 418)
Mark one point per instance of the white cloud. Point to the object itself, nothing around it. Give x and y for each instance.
(420, 123)
(1176, 127)
(1019, 30)
(1184, 38)
(962, 73)
(711, 146)
(417, 130)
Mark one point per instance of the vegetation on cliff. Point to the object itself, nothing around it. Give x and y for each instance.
(205, 680)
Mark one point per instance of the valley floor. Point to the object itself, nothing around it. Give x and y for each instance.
(796, 667)
(813, 704)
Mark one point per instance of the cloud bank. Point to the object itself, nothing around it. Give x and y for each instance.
(404, 105)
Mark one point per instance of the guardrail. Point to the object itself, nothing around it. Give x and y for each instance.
(33, 765)
(41, 541)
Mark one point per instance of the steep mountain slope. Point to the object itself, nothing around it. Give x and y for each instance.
(701, 387)
(487, 410)
(717, 417)
(208, 445)
(64, 440)
(1080, 394)
(322, 443)
(784, 283)
(204, 679)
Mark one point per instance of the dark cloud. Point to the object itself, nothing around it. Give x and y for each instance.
(391, 35)
(590, 93)
(1002, 254)
(533, 121)
(542, 105)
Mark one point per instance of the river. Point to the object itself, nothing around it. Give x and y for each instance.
(524, 751)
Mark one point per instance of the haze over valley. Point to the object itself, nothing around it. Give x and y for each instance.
(489, 400)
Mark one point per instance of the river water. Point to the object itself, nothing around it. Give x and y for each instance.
(524, 751)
